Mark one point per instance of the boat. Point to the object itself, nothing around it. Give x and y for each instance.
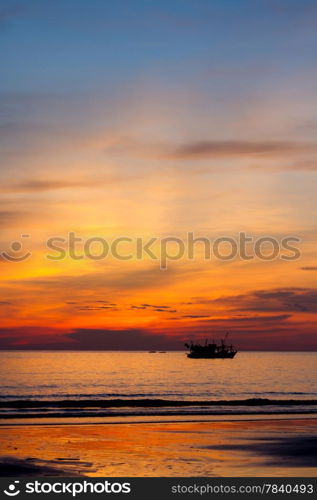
(211, 350)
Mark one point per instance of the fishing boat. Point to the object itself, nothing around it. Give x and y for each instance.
(211, 350)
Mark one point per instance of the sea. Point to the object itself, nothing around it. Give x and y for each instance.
(88, 384)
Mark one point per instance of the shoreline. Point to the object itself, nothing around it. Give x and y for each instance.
(145, 407)
(152, 408)
(266, 447)
(148, 402)
(152, 419)
(68, 408)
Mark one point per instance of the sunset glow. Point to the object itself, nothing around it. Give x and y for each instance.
(157, 120)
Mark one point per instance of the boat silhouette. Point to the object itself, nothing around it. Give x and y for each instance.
(211, 350)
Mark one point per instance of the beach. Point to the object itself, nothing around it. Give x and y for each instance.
(263, 446)
(139, 414)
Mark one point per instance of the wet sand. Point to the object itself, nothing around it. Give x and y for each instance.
(262, 447)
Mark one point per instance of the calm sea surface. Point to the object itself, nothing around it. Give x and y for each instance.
(78, 376)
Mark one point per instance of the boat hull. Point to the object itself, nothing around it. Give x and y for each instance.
(227, 355)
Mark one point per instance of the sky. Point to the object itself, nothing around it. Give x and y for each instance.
(146, 119)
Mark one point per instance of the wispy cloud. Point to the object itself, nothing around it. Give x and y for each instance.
(300, 155)
(152, 307)
(217, 149)
(37, 186)
(11, 216)
(279, 299)
(129, 279)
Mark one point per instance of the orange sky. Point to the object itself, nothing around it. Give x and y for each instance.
(155, 150)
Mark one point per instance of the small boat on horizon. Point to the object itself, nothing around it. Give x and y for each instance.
(211, 350)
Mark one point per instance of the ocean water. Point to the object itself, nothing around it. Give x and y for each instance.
(90, 383)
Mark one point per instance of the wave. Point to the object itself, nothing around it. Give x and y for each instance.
(109, 396)
(146, 402)
(23, 409)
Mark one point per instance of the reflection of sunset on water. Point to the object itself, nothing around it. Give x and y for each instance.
(105, 375)
(184, 449)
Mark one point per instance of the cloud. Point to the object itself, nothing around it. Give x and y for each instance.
(253, 319)
(251, 334)
(208, 149)
(97, 308)
(279, 299)
(155, 306)
(152, 307)
(217, 149)
(28, 337)
(98, 305)
(234, 321)
(34, 186)
(196, 316)
(14, 218)
(107, 279)
(10, 216)
(127, 339)
(308, 165)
